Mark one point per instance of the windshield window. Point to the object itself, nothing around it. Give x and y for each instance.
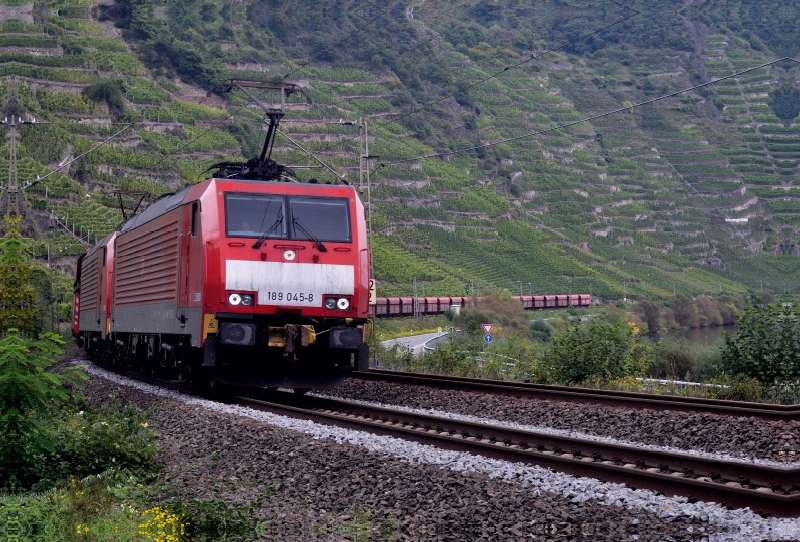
(251, 215)
(326, 219)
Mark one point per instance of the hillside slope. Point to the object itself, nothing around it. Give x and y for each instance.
(475, 180)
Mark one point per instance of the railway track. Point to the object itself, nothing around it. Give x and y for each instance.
(767, 490)
(587, 395)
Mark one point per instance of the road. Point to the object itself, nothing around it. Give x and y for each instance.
(413, 342)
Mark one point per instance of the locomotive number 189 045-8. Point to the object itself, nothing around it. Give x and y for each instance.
(289, 296)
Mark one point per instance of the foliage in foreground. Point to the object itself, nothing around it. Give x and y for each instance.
(466, 356)
(18, 299)
(29, 395)
(767, 346)
(90, 441)
(114, 506)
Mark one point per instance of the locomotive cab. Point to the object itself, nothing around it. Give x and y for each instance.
(291, 298)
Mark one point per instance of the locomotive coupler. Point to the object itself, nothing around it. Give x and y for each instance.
(287, 336)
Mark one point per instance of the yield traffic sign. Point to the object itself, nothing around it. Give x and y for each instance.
(487, 328)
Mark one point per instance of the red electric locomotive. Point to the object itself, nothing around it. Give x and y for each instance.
(246, 278)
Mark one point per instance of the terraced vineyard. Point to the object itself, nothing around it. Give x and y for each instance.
(476, 178)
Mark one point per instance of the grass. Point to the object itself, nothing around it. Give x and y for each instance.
(527, 360)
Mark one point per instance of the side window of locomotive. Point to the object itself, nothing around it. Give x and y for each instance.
(194, 219)
(326, 219)
(253, 215)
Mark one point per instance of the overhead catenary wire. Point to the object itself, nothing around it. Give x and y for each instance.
(588, 119)
(80, 241)
(323, 164)
(62, 166)
(415, 111)
(202, 135)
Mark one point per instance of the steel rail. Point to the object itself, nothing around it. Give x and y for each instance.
(627, 399)
(767, 490)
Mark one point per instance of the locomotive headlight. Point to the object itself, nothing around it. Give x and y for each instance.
(334, 303)
(245, 300)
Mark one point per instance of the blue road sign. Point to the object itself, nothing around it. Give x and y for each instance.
(487, 338)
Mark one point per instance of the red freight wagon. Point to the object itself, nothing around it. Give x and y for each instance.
(395, 309)
(428, 307)
(396, 306)
(407, 306)
(381, 307)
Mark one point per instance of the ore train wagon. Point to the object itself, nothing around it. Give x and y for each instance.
(390, 307)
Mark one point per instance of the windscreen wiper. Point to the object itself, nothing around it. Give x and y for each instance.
(297, 224)
(278, 222)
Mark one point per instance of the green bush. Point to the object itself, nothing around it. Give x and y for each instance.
(88, 442)
(28, 393)
(767, 346)
(599, 349)
(115, 506)
(683, 360)
(106, 90)
(542, 330)
(734, 388)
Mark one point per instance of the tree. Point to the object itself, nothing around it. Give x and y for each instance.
(785, 103)
(106, 90)
(27, 389)
(495, 308)
(650, 312)
(766, 346)
(685, 311)
(599, 349)
(18, 299)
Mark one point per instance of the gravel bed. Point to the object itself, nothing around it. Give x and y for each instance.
(734, 437)
(325, 476)
(564, 433)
